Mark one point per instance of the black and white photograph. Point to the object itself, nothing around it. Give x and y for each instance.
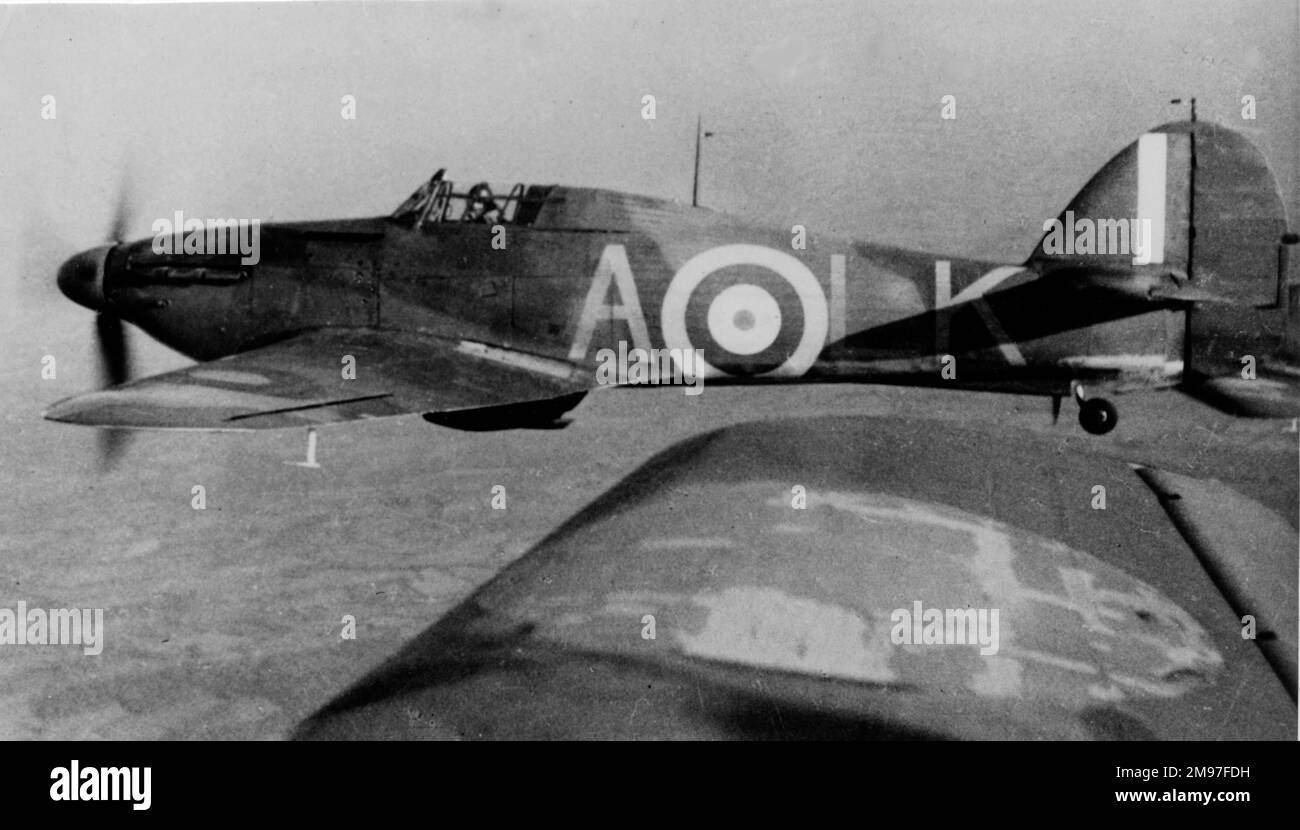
(623, 371)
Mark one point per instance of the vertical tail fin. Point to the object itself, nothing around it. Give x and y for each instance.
(1193, 198)
(1134, 213)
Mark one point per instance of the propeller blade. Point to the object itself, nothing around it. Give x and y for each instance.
(111, 444)
(114, 353)
(122, 213)
(114, 368)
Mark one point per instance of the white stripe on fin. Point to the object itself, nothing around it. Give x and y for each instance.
(1153, 155)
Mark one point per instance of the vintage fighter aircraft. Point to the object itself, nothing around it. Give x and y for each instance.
(1170, 268)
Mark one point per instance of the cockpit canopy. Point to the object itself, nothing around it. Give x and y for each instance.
(437, 200)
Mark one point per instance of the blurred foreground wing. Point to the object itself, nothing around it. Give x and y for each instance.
(780, 580)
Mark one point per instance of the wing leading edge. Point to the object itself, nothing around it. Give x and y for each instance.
(308, 379)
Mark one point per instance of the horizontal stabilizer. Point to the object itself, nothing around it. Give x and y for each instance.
(1185, 295)
(1263, 396)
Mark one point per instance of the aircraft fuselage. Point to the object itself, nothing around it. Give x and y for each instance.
(762, 304)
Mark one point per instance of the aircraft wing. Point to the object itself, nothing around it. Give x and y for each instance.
(305, 380)
(761, 581)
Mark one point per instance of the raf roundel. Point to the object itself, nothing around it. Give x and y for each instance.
(745, 320)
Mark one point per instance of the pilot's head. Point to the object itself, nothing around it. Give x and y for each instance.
(480, 196)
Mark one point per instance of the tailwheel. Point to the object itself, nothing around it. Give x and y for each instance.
(1097, 415)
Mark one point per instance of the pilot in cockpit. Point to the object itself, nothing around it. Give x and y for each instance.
(482, 207)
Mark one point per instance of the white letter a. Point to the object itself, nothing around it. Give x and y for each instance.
(613, 266)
